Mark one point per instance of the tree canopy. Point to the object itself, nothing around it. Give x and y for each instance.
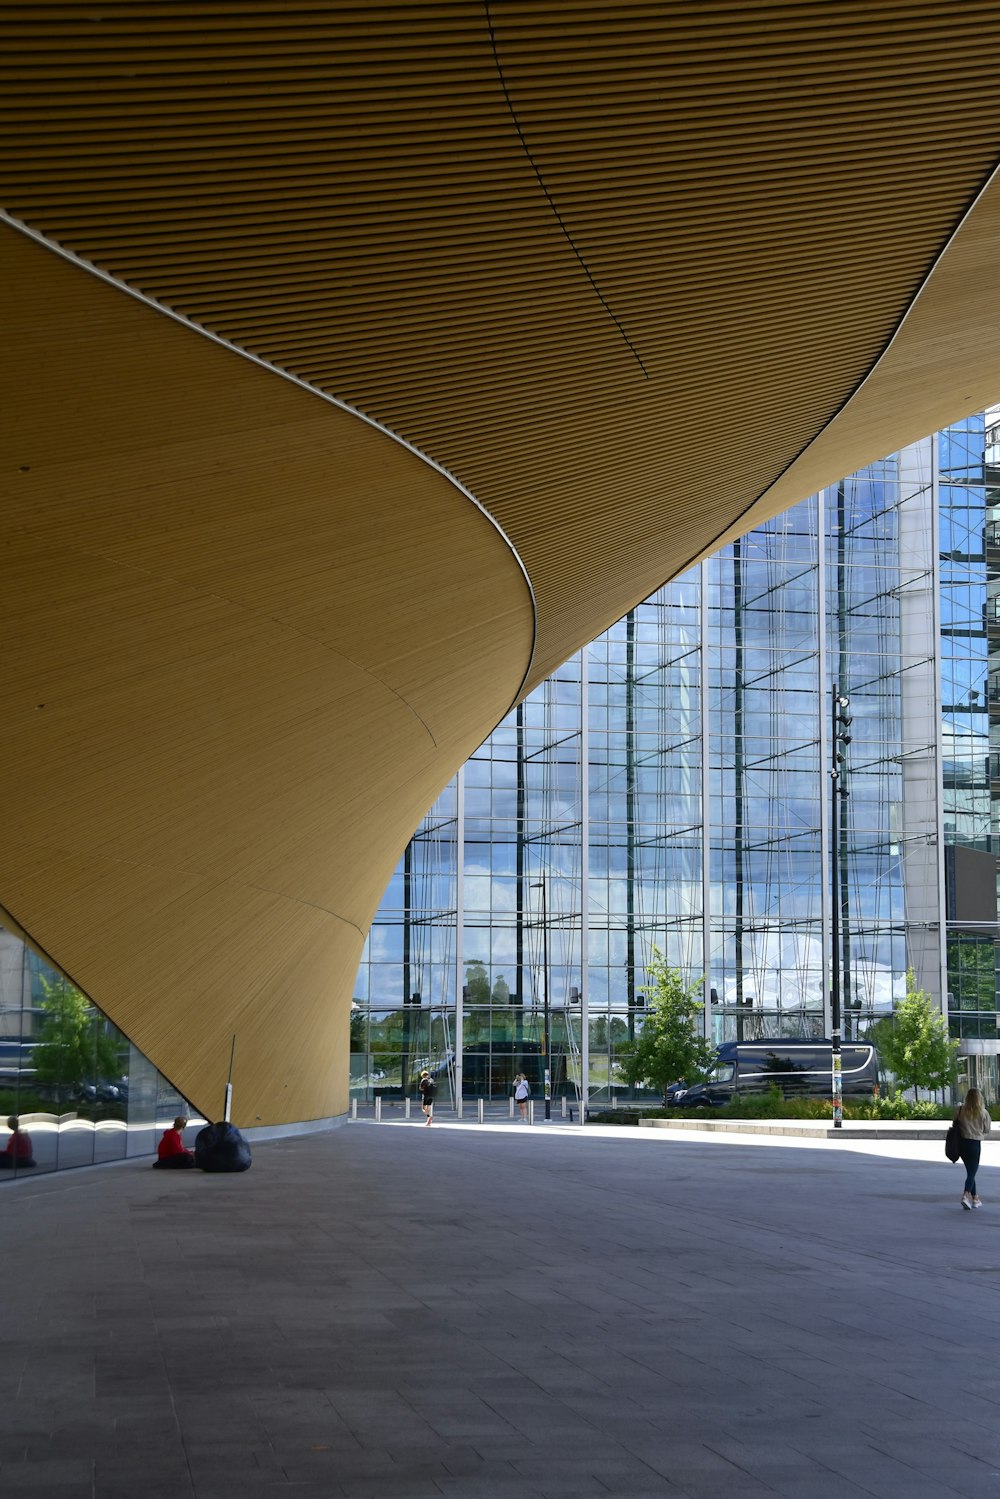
(73, 1045)
(668, 1046)
(914, 1044)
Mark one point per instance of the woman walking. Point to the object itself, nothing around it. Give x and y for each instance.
(974, 1125)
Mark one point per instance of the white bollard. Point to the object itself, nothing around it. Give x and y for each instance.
(354, 1108)
(479, 1110)
(406, 1108)
(458, 1108)
(531, 1111)
(564, 1106)
(511, 1102)
(378, 1109)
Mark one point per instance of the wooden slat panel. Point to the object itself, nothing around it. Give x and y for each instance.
(216, 728)
(616, 267)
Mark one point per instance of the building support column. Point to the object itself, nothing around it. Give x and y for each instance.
(459, 935)
(824, 751)
(584, 882)
(705, 725)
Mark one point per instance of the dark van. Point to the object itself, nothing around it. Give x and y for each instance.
(798, 1069)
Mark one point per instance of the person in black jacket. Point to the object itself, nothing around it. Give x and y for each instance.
(427, 1086)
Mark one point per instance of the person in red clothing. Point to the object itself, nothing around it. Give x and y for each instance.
(18, 1154)
(170, 1153)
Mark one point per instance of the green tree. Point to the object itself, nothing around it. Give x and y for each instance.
(914, 1045)
(668, 1047)
(501, 991)
(74, 1045)
(477, 982)
(359, 1026)
(386, 1031)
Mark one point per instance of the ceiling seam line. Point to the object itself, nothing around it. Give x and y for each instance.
(92, 269)
(551, 201)
(247, 609)
(713, 545)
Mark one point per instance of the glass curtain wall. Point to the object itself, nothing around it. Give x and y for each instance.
(403, 1015)
(970, 671)
(73, 1090)
(683, 761)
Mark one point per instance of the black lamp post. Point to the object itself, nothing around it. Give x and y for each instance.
(839, 740)
(546, 1037)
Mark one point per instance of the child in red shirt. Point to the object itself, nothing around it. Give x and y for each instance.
(18, 1153)
(170, 1152)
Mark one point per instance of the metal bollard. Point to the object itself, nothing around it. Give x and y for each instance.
(354, 1108)
(479, 1110)
(564, 1106)
(378, 1109)
(511, 1102)
(406, 1108)
(458, 1108)
(531, 1111)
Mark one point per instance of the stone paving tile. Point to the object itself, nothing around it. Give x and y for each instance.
(221, 1486)
(14, 1488)
(391, 1488)
(490, 1486)
(659, 1489)
(338, 1336)
(35, 1473)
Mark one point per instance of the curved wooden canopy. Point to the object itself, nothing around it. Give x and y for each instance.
(454, 330)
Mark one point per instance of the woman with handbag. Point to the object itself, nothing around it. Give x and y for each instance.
(973, 1122)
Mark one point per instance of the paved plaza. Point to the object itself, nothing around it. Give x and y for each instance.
(503, 1312)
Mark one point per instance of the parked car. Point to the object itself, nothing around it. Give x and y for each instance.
(798, 1069)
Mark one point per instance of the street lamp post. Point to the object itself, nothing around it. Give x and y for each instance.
(546, 1036)
(839, 740)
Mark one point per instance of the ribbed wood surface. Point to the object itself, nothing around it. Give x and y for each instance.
(617, 267)
(216, 724)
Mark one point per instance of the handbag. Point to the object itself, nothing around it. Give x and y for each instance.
(953, 1142)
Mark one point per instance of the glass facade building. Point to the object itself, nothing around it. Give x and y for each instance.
(73, 1090)
(669, 788)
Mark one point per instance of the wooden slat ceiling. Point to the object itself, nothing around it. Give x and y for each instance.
(633, 274)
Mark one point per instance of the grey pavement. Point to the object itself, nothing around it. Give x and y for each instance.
(483, 1312)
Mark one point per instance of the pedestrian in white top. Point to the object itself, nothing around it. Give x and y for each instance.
(521, 1094)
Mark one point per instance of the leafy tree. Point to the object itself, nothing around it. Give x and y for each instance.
(668, 1046)
(914, 1045)
(386, 1032)
(73, 1044)
(359, 1024)
(972, 972)
(477, 982)
(618, 1034)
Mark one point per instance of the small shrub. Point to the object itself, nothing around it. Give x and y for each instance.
(894, 1106)
(772, 1105)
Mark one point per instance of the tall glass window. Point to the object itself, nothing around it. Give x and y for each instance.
(73, 1090)
(704, 801)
